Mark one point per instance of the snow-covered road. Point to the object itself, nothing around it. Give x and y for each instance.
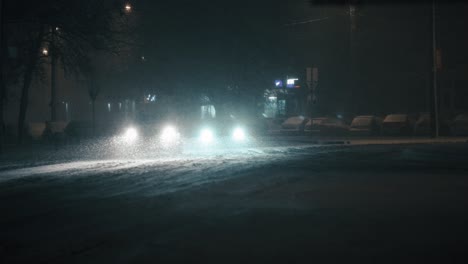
(267, 202)
(151, 176)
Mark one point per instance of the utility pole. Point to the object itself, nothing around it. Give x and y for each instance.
(434, 93)
(353, 56)
(2, 80)
(53, 77)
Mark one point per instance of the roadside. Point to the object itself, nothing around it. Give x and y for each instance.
(369, 140)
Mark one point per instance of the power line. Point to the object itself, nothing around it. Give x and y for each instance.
(307, 21)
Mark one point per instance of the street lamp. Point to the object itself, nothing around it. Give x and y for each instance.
(128, 7)
(435, 109)
(45, 52)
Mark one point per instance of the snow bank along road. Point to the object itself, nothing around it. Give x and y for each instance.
(255, 204)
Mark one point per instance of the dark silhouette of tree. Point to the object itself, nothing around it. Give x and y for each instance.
(69, 30)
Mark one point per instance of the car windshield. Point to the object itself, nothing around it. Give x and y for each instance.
(245, 131)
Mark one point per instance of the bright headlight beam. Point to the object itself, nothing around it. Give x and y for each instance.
(169, 135)
(206, 136)
(130, 135)
(238, 134)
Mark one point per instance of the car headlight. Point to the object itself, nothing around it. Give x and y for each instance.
(206, 136)
(169, 135)
(238, 134)
(130, 135)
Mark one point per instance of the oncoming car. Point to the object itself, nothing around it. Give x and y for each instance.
(227, 132)
(134, 139)
(171, 138)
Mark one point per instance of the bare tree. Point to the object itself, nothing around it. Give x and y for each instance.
(69, 31)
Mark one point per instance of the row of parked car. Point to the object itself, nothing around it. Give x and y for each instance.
(371, 125)
(365, 125)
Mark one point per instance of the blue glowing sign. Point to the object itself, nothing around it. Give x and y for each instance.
(278, 83)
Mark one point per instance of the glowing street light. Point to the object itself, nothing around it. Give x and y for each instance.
(128, 7)
(45, 52)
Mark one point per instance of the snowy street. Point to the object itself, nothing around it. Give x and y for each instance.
(142, 131)
(269, 202)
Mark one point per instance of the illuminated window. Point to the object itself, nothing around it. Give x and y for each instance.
(270, 108)
(281, 107)
(290, 83)
(208, 111)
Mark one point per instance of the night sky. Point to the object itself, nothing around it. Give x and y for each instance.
(216, 43)
(200, 42)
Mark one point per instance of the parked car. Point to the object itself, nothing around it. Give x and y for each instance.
(55, 130)
(274, 125)
(422, 126)
(397, 125)
(459, 125)
(313, 125)
(333, 126)
(294, 124)
(365, 126)
(347, 117)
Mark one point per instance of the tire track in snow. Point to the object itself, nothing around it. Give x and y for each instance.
(151, 176)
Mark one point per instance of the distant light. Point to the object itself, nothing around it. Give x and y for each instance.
(128, 7)
(272, 98)
(291, 81)
(57, 28)
(278, 83)
(130, 135)
(206, 136)
(45, 51)
(238, 134)
(169, 136)
(151, 98)
(143, 58)
(108, 107)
